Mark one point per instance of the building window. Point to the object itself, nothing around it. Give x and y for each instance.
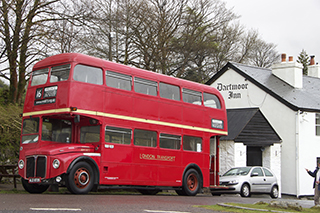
(318, 124)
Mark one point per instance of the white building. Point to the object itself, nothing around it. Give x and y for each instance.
(274, 120)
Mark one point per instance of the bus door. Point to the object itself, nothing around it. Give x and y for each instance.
(214, 161)
(116, 156)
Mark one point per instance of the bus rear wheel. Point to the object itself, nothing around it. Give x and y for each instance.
(80, 180)
(191, 183)
(33, 188)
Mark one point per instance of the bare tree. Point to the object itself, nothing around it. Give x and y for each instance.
(22, 23)
(264, 54)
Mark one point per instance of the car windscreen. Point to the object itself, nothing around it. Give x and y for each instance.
(237, 171)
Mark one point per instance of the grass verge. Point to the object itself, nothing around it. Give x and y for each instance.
(264, 207)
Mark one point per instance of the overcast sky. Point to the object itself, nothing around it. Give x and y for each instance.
(292, 25)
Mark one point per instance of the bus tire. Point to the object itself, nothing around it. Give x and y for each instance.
(33, 188)
(191, 183)
(80, 179)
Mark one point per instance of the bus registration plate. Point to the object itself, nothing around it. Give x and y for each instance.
(34, 180)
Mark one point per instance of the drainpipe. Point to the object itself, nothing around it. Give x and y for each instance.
(297, 167)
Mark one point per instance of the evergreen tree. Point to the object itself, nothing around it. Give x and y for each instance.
(303, 58)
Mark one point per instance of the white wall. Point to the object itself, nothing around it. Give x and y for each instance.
(309, 149)
(239, 92)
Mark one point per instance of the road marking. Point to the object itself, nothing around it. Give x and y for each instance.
(160, 211)
(54, 209)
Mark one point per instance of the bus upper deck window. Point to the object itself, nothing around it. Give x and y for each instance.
(145, 86)
(39, 77)
(118, 80)
(60, 73)
(87, 74)
(191, 96)
(169, 91)
(211, 100)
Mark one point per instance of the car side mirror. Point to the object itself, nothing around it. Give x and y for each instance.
(254, 174)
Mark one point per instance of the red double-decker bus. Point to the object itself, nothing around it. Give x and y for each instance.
(88, 122)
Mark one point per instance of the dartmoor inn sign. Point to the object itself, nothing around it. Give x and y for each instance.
(233, 89)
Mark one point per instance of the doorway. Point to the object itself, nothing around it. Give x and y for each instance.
(254, 156)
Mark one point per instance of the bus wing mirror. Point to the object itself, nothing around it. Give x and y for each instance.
(77, 119)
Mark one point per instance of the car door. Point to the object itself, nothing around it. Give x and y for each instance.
(257, 180)
(270, 179)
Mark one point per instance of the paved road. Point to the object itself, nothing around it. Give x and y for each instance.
(120, 203)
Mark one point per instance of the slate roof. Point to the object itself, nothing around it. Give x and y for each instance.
(250, 127)
(305, 99)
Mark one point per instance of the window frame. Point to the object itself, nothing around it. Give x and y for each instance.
(120, 130)
(163, 92)
(78, 79)
(115, 76)
(170, 137)
(135, 132)
(141, 83)
(187, 93)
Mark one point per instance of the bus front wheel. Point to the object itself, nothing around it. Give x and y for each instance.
(80, 179)
(191, 183)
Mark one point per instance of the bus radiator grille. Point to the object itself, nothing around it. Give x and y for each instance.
(36, 166)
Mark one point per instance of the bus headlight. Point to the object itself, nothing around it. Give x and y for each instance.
(56, 163)
(21, 164)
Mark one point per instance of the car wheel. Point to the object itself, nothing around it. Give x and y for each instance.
(245, 190)
(274, 192)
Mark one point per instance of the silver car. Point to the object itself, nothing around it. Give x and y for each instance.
(247, 181)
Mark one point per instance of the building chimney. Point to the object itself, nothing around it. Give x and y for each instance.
(312, 60)
(313, 69)
(290, 72)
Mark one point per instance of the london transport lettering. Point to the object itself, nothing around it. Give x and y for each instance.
(157, 157)
(228, 87)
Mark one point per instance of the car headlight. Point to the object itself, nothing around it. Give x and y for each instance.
(21, 164)
(233, 182)
(56, 163)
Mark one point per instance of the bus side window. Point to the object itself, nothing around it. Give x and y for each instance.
(191, 143)
(191, 96)
(145, 86)
(169, 91)
(145, 138)
(39, 77)
(211, 100)
(87, 74)
(169, 141)
(89, 134)
(118, 135)
(60, 73)
(118, 80)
